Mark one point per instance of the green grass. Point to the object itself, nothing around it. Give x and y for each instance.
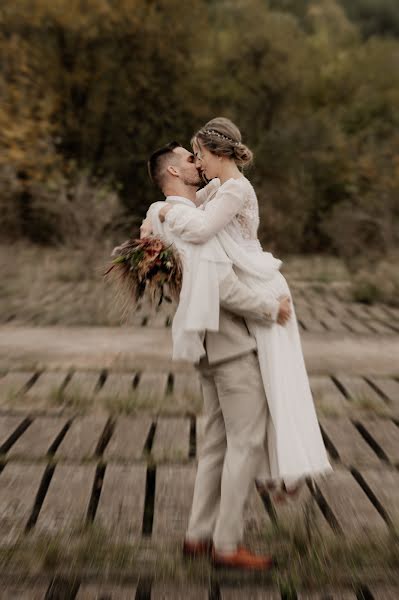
(303, 561)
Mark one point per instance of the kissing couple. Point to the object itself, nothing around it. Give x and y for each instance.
(236, 321)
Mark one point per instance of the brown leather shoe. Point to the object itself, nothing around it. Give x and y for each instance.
(192, 549)
(241, 559)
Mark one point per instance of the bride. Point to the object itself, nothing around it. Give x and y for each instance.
(231, 213)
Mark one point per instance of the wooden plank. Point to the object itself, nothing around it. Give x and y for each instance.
(173, 497)
(239, 592)
(353, 510)
(19, 592)
(129, 437)
(187, 390)
(12, 384)
(8, 425)
(328, 594)
(37, 439)
(19, 484)
(172, 439)
(350, 445)
(327, 396)
(356, 326)
(360, 391)
(67, 500)
(381, 592)
(380, 327)
(294, 512)
(117, 386)
(82, 438)
(47, 387)
(152, 388)
(121, 506)
(310, 323)
(332, 323)
(106, 592)
(385, 485)
(256, 517)
(389, 387)
(175, 592)
(81, 388)
(386, 434)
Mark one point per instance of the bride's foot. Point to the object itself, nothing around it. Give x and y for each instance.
(280, 494)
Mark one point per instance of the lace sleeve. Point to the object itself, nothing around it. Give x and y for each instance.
(198, 226)
(207, 191)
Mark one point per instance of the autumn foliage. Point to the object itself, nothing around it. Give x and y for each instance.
(89, 89)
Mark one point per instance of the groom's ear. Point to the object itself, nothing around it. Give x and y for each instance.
(172, 170)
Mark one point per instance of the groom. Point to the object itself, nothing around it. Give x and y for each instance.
(235, 404)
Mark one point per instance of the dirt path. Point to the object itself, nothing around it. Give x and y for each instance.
(140, 347)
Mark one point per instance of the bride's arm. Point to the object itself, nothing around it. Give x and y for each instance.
(206, 192)
(198, 226)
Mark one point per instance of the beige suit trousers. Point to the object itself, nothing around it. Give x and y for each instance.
(233, 450)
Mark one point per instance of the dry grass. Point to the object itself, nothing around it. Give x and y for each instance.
(315, 269)
(58, 286)
(314, 563)
(50, 286)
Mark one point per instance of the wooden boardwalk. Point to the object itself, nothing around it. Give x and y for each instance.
(114, 452)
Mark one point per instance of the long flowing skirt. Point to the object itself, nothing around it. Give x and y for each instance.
(295, 445)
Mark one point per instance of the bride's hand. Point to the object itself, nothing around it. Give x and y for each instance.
(164, 211)
(285, 310)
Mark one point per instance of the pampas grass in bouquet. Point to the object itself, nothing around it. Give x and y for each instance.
(145, 268)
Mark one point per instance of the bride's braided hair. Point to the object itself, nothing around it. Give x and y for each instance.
(221, 137)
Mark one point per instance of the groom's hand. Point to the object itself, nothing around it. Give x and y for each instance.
(285, 310)
(164, 211)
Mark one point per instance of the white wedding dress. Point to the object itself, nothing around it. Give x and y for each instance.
(295, 444)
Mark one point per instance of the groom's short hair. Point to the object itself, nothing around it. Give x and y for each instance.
(158, 162)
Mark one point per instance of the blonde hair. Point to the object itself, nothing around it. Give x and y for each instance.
(221, 137)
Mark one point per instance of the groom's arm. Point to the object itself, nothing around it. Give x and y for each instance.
(239, 299)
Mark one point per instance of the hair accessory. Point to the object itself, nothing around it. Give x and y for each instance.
(213, 132)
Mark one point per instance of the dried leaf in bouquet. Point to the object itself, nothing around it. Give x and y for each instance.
(145, 267)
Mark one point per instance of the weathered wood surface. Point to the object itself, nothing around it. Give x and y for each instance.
(178, 592)
(385, 486)
(38, 438)
(241, 592)
(172, 439)
(82, 438)
(19, 485)
(173, 497)
(390, 388)
(121, 505)
(302, 511)
(19, 592)
(359, 390)
(8, 425)
(67, 500)
(386, 434)
(328, 594)
(81, 387)
(327, 396)
(106, 592)
(12, 384)
(353, 450)
(117, 387)
(151, 389)
(352, 509)
(128, 439)
(46, 389)
(186, 386)
(381, 592)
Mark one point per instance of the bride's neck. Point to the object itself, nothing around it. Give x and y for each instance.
(228, 170)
